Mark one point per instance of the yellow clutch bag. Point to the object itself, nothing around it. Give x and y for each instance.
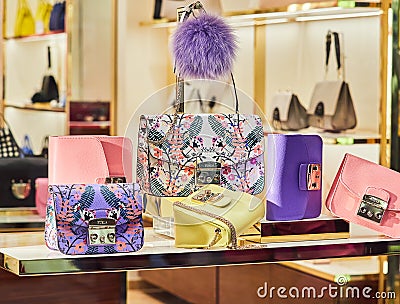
(215, 216)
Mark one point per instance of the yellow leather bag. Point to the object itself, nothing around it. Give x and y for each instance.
(24, 23)
(215, 216)
(42, 16)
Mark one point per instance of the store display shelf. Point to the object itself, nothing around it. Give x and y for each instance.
(160, 252)
(89, 124)
(39, 37)
(35, 107)
(20, 219)
(299, 14)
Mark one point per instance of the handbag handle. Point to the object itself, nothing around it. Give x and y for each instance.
(328, 44)
(48, 57)
(179, 100)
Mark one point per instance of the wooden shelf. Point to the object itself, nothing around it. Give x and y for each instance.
(38, 37)
(89, 124)
(36, 107)
(316, 11)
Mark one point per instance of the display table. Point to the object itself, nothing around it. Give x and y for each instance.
(159, 252)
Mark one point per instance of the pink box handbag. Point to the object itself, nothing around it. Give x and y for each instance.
(85, 159)
(366, 194)
(41, 195)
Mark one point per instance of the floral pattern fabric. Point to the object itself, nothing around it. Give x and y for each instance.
(75, 205)
(172, 149)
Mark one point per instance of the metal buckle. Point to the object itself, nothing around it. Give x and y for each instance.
(208, 172)
(102, 231)
(207, 196)
(372, 208)
(115, 179)
(21, 190)
(314, 177)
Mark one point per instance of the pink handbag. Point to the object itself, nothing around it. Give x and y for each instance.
(41, 195)
(366, 194)
(85, 159)
(89, 159)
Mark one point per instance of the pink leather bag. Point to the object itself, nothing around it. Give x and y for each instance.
(89, 159)
(41, 195)
(366, 194)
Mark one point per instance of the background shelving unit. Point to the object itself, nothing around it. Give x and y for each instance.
(79, 73)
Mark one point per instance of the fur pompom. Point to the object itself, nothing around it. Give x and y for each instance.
(204, 47)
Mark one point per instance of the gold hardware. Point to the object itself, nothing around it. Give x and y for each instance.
(207, 196)
(21, 190)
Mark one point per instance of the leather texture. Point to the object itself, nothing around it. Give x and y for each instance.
(288, 113)
(89, 159)
(332, 107)
(116, 210)
(17, 180)
(356, 177)
(41, 195)
(288, 158)
(194, 230)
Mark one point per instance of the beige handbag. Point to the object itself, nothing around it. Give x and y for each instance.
(215, 216)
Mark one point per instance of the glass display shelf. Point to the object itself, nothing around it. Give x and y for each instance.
(45, 106)
(39, 37)
(297, 13)
(159, 252)
(20, 219)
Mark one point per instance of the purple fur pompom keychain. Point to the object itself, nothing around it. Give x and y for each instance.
(204, 47)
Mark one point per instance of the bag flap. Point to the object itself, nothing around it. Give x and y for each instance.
(361, 176)
(77, 204)
(243, 211)
(281, 101)
(288, 156)
(226, 138)
(86, 159)
(326, 92)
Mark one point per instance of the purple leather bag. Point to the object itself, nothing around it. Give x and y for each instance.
(294, 174)
(98, 218)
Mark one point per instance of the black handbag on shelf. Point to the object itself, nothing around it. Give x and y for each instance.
(17, 171)
(49, 90)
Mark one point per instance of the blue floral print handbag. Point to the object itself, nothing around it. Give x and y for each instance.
(97, 218)
(179, 153)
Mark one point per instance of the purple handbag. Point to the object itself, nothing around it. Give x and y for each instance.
(98, 218)
(293, 177)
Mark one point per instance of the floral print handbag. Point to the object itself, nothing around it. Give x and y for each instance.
(97, 218)
(179, 153)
